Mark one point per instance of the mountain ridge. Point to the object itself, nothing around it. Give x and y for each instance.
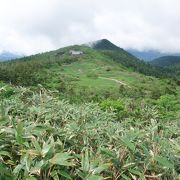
(166, 61)
(150, 55)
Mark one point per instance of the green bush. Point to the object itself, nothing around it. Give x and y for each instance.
(168, 103)
(6, 92)
(115, 106)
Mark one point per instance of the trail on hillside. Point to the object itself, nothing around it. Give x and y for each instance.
(115, 80)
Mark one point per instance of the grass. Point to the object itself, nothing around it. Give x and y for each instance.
(88, 72)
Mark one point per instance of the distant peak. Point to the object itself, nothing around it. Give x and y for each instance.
(104, 40)
(103, 44)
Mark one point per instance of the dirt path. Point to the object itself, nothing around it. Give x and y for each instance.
(115, 80)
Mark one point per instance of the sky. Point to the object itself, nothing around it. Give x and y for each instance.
(33, 26)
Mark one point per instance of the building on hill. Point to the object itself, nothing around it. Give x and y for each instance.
(73, 52)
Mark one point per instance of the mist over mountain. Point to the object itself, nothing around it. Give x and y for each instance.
(103, 44)
(6, 55)
(149, 55)
(106, 45)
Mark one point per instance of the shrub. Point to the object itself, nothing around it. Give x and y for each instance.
(6, 92)
(115, 106)
(168, 103)
(108, 69)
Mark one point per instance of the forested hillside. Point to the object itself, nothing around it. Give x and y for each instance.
(91, 113)
(166, 61)
(170, 64)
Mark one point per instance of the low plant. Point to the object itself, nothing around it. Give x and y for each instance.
(42, 137)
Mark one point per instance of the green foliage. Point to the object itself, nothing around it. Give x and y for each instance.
(6, 91)
(168, 103)
(169, 106)
(115, 106)
(43, 137)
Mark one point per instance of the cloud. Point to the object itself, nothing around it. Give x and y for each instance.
(31, 26)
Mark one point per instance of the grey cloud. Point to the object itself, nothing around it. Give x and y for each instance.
(31, 26)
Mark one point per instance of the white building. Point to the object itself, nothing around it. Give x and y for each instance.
(73, 52)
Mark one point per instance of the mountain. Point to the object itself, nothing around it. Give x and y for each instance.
(124, 57)
(149, 55)
(145, 55)
(166, 61)
(101, 68)
(5, 55)
(169, 64)
(106, 45)
(103, 44)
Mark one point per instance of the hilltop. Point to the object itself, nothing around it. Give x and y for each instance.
(103, 44)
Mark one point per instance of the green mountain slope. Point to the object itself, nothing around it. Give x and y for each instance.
(125, 58)
(102, 73)
(166, 61)
(170, 65)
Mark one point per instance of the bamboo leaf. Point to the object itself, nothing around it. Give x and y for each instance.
(107, 152)
(85, 161)
(129, 144)
(94, 177)
(163, 161)
(5, 153)
(19, 133)
(62, 159)
(36, 144)
(65, 174)
(101, 168)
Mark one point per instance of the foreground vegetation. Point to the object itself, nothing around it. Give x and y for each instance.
(43, 137)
